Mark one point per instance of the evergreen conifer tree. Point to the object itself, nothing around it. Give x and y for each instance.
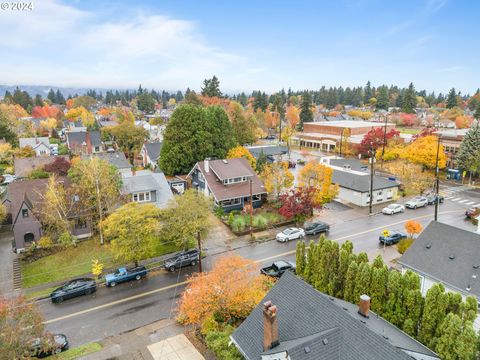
(436, 303)
(409, 100)
(306, 114)
(349, 290)
(451, 99)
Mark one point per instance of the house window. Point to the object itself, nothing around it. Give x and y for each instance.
(231, 202)
(200, 176)
(257, 197)
(25, 213)
(97, 148)
(80, 224)
(389, 194)
(141, 197)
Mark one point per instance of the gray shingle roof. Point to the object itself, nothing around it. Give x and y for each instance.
(116, 159)
(306, 317)
(355, 164)
(33, 142)
(445, 241)
(95, 138)
(267, 150)
(360, 183)
(153, 150)
(145, 180)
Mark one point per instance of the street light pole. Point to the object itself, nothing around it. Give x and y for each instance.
(384, 139)
(341, 140)
(372, 157)
(251, 210)
(437, 179)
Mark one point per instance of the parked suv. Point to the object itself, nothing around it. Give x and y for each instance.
(419, 201)
(184, 258)
(432, 197)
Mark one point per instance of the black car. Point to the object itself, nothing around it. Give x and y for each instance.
(73, 288)
(316, 227)
(184, 258)
(432, 198)
(50, 345)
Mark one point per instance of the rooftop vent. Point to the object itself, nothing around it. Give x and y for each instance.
(474, 276)
(325, 341)
(428, 246)
(225, 161)
(347, 167)
(451, 257)
(469, 287)
(476, 266)
(307, 349)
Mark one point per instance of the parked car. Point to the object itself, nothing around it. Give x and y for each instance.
(301, 161)
(278, 268)
(184, 258)
(7, 178)
(472, 213)
(432, 197)
(270, 137)
(316, 227)
(290, 234)
(292, 164)
(123, 274)
(53, 344)
(73, 288)
(416, 202)
(393, 237)
(393, 209)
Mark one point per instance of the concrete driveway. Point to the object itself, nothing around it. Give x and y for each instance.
(6, 263)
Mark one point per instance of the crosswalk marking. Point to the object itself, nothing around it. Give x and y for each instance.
(456, 199)
(470, 203)
(476, 205)
(449, 197)
(461, 202)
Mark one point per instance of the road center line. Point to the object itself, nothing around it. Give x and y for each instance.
(138, 296)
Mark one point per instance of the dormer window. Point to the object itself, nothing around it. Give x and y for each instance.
(235, 180)
(25, 213)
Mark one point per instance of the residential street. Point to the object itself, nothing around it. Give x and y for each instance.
(91, 318)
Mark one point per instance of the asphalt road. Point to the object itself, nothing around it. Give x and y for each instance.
(112, 311)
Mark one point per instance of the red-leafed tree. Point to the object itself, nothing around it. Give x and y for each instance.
(408, 119)
(425, 132)
(298, 204)
(374, 138)
(45, 111)
(59, 166)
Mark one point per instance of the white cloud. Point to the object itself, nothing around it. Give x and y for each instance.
(60, 44)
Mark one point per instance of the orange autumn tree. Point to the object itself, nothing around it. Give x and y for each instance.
(413, 228)
(277, 177)
(319, 177)
(46, 111)
(293, 116)
(242, 152)
(271, 119)
(229, 292)
(423, 151)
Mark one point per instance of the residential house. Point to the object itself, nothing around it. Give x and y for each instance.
(114, 158)
(23, 201)
(75, 126)
(449, 255)
(231, 182)
(177, 183)
(294, 321)
(150, 154)
(353, 180)
(272, 152)
(145, 186)
(41, 145)
(155, 132)
(24, 166)
(84, 142)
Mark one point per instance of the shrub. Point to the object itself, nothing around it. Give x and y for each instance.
(218, 342)
(66, 239)
(209, 325)
(404, 244)
(219, 212)
(238, 223)
(231, 217)
(38, 174)
(260, 222)
(45, 242)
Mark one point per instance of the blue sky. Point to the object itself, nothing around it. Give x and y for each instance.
(249, 45)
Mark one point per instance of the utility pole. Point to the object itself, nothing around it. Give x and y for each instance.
(372, 157)
(341, 140)
(437, 180)
(251, 210)
(100, 211)
(199, 252)
(384, 139)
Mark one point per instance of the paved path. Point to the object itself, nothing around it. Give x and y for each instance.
(6, 263)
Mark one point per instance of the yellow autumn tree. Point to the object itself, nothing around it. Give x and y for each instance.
(242, 152)
(277, 177)
(414, 180)
(423, 151)
(319, 177)
(82, 114)
(229, 292)
(49, 124)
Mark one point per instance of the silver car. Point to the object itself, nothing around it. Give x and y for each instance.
(393, 209)
(290, 234)
(416, 202)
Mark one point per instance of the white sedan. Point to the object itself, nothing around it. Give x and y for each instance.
(290, 234)
(393, 209)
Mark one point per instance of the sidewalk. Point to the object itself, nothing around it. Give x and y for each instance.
(7, 262)
(163, 339)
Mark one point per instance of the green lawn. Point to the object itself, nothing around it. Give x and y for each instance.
(75, 353)
(73, 262)
(409, 131)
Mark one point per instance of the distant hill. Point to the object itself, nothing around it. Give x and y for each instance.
(44, 89)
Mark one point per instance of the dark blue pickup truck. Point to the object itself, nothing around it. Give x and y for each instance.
(123, 274)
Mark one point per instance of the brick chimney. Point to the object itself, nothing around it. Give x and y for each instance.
(364, 305)
(270, 326)
(206, 165)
